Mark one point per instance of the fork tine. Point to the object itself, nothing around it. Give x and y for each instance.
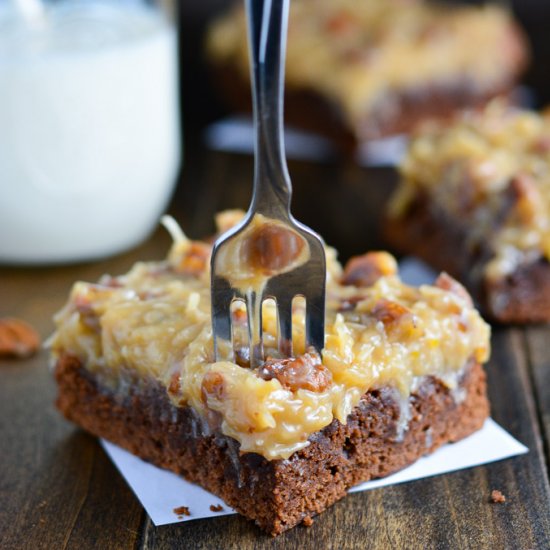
(255, 327)
(284, 323)
(221, 319)
(315, 320)
(293, 268)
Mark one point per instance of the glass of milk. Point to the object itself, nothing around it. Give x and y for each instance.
(90, 143)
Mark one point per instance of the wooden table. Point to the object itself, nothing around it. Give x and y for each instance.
(59, 490)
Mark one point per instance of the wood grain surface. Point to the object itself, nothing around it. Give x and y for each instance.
(59, 490)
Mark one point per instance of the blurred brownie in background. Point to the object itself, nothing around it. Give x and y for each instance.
(474, 200)
(358, 71)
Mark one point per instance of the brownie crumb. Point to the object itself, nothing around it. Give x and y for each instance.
(305, 372)
(216, 508)
(497, 497)
(182, 511)
(307, 521)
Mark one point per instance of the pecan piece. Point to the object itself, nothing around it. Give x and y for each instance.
(526, 197)
(446, 282)
(272, 248)
(365, 270)
(194, 260)
(88, 316)
(398, 320)
(17, 338)
(174, 387)
(298, 373)
(213, 385)
(242, 356)
(341, 23)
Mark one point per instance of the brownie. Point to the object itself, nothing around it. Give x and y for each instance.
(522, 296)
(473, 201)
(399, 375)
(359, 85)
(276, 494)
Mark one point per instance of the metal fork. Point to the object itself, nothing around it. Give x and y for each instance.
(267, 28)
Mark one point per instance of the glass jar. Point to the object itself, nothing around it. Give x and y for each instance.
(90, 145)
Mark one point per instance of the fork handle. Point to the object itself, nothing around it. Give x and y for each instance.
(267, 27)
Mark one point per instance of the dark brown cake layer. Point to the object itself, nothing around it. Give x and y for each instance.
(425, 232)
(276, 494)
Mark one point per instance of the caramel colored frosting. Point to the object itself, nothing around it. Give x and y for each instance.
(359, 54)
(489, 171)
(154, 322)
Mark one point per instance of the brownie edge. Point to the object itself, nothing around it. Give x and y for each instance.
(425, 231)
(276, 494)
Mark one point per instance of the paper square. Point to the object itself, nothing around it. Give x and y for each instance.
(160, 491)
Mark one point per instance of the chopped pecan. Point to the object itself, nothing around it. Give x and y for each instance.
(213, 385)
(298, 373)
(389, 312)
(341, 23)
(194, 260)
(242, 356)
(398, 320)
(272, 248)
(88, 316)
(446, 282)
(175, 387)
(367, 269)
(17, 338)
(526, 197)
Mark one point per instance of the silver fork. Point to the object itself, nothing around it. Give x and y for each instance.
(267, 28)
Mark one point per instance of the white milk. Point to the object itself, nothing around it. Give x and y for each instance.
(89, 130)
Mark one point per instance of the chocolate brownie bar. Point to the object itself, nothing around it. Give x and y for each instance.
(474, 200)
(276, 494)
(358, 71)
(399, 376)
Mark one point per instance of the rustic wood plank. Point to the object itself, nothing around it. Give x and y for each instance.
(538, 339)
(56, 484)
(523, 479)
